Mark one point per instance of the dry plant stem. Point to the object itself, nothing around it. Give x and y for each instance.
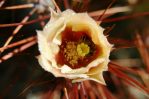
(119, 87)
(122, 47)
(18, 43)
(101, 16)
(120, 41)
(110, 11)
(105, 93)
(32, 83)
(57, 7)
(75, 92)
(92, 93)
(66, 4)
(95, 13)
(109, 29)
(18, 28)
(127, 91)
(55, 94)
(22, 48)
(25, 23)
(126, 69)
(23, 6)
(129, 80)
(98, 22)
(143, 51)
(1, 3)
(129, 94)
(145, 77)
(83, 91)
(108, 93)
(125, 17)
(42, 23)
(100, 89)
(66, 93)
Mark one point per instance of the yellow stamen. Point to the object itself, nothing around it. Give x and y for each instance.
(83, 49)
(73, 52)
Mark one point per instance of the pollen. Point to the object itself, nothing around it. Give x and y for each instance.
(83, 49)
(73, 52)
(77, 49)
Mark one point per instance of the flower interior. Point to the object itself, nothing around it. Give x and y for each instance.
(77, 49)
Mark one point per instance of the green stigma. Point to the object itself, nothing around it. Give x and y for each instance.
(83, 49)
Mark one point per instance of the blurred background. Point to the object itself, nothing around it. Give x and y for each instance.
(20, 73)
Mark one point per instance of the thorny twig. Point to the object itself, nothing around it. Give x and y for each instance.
(22, 48)
(23, 6)
(143, 51)
(18, 43)
(18, 28)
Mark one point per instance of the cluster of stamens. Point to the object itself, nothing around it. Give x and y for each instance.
(75, 51)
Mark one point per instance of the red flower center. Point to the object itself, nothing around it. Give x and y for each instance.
(77, 49)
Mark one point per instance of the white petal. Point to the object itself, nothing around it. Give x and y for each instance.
(44, 46)
(67, 69)
(97, 78)
(50, 40)
(46, 65)
(53, 29)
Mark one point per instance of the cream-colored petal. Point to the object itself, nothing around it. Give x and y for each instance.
(65, 69)
(96, 62)
(78, 23)
(48, 50)
(54, 15)
(96, 77)
(68, 70)
(75, 76)
(50, 40)
(82, 22)
(68, 14)
(60, 22)
(100, 68)
(43, 45)
(46, 65)
(79, 80)
(53, 29)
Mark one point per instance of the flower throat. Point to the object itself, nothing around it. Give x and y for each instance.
(77, 49)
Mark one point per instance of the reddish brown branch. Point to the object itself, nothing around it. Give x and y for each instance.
(22, 48)
(126, 69)
(66, 4)
(57, 7)
(18, 43)
(25, 23)
(126, 17)
(101, 16)
(18, 28)
(143, 51)
(23, 6)
(129, 80)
